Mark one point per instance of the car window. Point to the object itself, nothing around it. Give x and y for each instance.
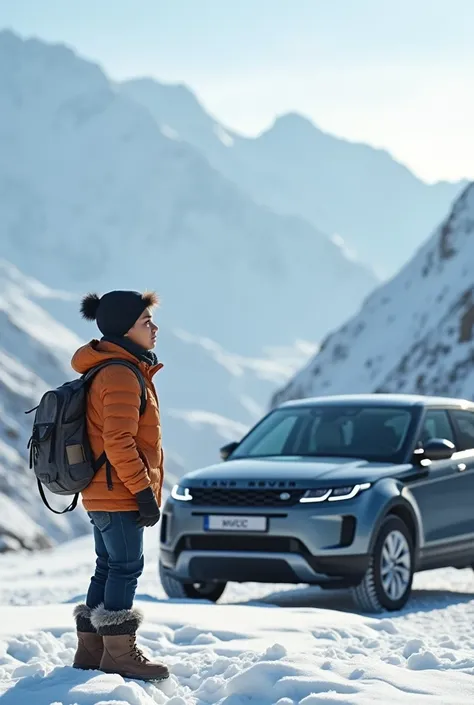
(370, 432)
(464, 425)
(436, 425)
(381, 430)
(273, 441)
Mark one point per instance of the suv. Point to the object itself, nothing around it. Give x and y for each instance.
(356, 491)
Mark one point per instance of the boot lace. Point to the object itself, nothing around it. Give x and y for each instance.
(136, 652)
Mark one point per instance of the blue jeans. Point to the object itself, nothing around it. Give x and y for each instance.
(119, 550)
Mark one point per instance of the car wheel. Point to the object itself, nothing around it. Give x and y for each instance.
(195, 591)
(387, 582)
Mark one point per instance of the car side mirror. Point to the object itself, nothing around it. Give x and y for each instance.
(435, 449)
(228, 449)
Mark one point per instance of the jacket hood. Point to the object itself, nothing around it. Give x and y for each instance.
(96, 351)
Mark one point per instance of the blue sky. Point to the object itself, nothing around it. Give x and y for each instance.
(395, 75)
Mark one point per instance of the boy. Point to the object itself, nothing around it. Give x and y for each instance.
(125, 493)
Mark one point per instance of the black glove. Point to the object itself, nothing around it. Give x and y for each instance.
(148, 508)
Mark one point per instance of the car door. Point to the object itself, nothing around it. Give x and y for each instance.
(462, 491)
(437, 490)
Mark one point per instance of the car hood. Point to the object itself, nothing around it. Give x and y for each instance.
(294, 472)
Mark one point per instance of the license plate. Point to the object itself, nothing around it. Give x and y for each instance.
(220, 522)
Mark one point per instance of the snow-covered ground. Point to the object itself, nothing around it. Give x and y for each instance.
(263, 644)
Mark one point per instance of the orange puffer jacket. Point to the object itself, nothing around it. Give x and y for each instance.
(132, 442)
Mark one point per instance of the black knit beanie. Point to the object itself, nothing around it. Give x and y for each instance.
(118, 311)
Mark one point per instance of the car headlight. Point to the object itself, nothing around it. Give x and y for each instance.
(315, 495)
(335, 495)
(182, 494)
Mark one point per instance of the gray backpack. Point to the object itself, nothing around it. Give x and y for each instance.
(60, 452)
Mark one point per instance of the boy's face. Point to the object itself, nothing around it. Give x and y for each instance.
(144, 331)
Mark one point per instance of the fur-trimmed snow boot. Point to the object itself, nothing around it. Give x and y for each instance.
(89, 644)
(121, 653)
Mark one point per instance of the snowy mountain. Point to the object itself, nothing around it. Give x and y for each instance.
(358, 194)
(414, 334)
(94, 195)
(34, 355)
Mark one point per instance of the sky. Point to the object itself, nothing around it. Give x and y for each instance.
(397, 75)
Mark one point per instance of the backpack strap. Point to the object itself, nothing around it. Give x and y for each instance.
(71, 507)
(99, 462)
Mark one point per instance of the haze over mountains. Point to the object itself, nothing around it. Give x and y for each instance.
(353, 192)
(92, 194)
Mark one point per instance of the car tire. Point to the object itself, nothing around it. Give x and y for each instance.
(189, 591)
(388, 580)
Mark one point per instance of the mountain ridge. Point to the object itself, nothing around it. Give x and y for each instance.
(361, 193)
(414, 334)
(120, 203)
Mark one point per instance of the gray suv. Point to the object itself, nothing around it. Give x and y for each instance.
(356, 491)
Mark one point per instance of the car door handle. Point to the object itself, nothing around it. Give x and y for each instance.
(461, 467)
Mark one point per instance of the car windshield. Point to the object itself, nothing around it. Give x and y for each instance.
(369, 432)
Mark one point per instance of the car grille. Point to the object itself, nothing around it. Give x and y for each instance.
(271, 544)
(219, 497)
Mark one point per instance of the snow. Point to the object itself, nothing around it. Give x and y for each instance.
(223, 136)
(275, 364)
(225, 428)
(168, 132)
(30, 286)
(413, 334)
(17, 529)
(268, 644)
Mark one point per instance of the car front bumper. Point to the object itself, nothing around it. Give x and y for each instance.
(322, 544)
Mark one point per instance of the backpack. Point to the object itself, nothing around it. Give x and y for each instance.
(60, 452)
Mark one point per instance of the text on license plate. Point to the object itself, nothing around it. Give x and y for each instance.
(220, 522)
